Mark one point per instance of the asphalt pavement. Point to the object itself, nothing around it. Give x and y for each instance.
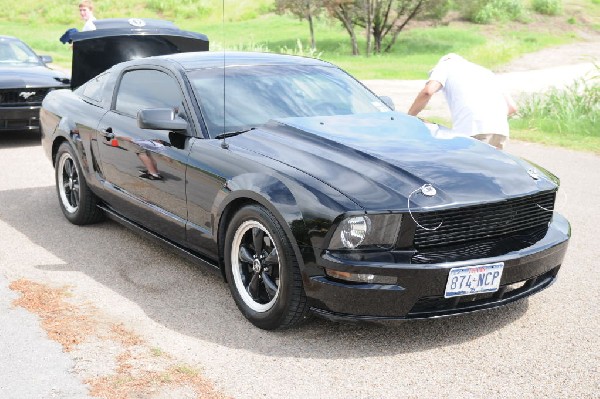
(545, 346)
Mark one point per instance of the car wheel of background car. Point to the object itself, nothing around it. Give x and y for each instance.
(262, 270)
(78, 203)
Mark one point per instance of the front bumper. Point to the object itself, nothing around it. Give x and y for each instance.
(20, 118)
(419, 291)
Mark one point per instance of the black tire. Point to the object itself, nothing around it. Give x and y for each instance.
(77, 202)
(266, 284)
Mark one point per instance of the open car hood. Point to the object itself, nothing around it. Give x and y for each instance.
(118, 40)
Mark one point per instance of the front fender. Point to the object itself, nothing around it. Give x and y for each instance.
(269, 191)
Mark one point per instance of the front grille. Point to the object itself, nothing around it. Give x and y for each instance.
(480, 249)
(483, 222)
(16, 97)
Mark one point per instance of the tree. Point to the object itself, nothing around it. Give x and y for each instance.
(303, 9)
(381, 19)
(347, 12)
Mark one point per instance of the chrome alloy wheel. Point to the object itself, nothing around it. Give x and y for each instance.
(68, 183)
(255, 266)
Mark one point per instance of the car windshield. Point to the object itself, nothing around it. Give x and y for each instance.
(14, 52)
(253, 95)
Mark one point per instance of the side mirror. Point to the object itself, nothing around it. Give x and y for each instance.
(46, 59)
(161, 119)
(388, 101)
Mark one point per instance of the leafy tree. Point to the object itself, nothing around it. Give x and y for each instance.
(303, 9)
(381, 19)
(347, 12)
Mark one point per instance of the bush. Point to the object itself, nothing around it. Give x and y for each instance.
(573, 109)
(547, 7)
(487, 11)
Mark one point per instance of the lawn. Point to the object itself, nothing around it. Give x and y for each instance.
(249, 25)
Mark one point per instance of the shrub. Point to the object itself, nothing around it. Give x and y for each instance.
(547, 7)
(487, 11)
(573, 109)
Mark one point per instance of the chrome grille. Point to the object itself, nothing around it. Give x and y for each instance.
(482, 222)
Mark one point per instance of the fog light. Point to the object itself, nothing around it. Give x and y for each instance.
(361, 277)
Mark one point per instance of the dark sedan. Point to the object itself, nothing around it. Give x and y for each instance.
(24, 81)
(303, 188)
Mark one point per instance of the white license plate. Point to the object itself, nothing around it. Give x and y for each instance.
(472, 280)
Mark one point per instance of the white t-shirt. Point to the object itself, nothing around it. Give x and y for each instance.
(89, 24)
(474, 96)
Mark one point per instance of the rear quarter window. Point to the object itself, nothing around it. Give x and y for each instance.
(93, 88)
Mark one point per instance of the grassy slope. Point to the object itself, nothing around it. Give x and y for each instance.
(250, 26)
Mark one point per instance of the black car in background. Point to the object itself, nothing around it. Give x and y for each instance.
(303, 188)
(25, 79)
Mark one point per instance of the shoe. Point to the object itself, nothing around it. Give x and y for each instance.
(150, 176)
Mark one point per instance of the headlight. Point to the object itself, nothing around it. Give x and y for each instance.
(364, 232)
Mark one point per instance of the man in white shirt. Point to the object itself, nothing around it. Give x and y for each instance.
(86, 11)
(478, 106)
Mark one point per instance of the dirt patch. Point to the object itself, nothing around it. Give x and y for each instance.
(66, 324)
(134, 370)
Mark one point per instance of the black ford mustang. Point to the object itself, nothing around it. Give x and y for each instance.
(24, 81)
(300, 185)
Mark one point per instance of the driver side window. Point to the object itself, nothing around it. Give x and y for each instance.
(147, 88)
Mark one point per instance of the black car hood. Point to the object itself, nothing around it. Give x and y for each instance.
(380, 160)
(25, 76)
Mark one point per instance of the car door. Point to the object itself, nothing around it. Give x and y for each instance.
(145, 169)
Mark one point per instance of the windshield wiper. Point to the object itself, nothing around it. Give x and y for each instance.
(231, 134)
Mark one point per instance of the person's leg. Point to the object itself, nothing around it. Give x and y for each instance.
(495, 140)
(150, 164)
(498, 141)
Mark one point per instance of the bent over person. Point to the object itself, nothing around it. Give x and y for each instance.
(478, 106)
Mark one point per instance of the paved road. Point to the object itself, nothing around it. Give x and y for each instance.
(546, 346)
(518, 83)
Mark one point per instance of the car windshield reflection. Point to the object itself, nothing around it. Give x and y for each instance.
(251, 96)
(14, 52)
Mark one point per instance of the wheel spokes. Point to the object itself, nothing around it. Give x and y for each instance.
(245, 255)
(272, 258)
(253, 286)
(75, 194)
(258, 236)
(270, 285)
(71, 170)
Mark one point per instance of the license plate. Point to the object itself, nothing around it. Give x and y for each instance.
(472, 280)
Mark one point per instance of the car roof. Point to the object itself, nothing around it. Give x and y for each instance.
(217, 59)
(4, 37)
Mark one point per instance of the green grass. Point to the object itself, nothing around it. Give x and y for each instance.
(416, 51)
(249, 26)
(566, 117)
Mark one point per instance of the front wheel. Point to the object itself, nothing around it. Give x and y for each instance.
(262, 270)
(77, 202)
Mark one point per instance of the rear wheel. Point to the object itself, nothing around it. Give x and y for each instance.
(262, 270)
(77, 202)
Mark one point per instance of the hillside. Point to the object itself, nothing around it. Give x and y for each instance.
(252, 25)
